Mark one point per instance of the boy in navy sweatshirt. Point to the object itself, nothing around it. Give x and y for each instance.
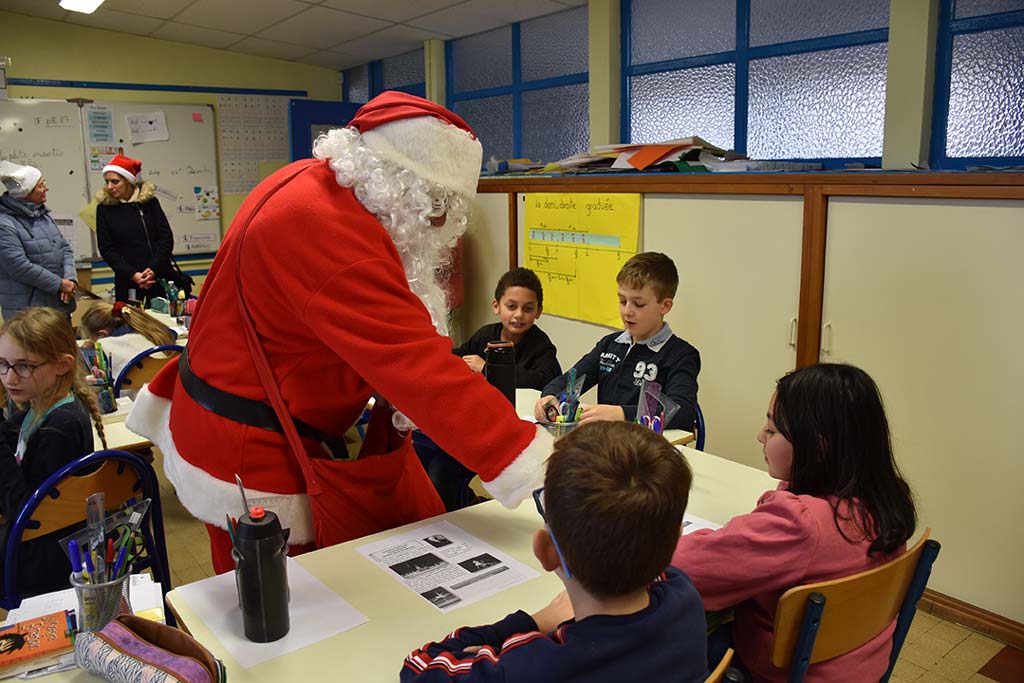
(646, 350)
(613, 502)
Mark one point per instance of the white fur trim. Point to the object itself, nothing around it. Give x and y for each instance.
(205, 496)
(432, 149)
(123, 172)
(525, 474)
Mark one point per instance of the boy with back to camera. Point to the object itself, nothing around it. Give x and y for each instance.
(613, 502)
(518, 302)
(645, 350)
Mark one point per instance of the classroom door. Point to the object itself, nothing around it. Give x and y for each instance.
(308, 118)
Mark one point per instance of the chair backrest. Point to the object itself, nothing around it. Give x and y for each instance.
(819, 621)
(701, 428)
(723, 672)
(141, 369)
(59, 502)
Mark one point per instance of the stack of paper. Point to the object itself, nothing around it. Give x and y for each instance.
(641, 156)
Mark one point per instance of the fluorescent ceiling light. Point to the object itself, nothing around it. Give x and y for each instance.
(83, 6)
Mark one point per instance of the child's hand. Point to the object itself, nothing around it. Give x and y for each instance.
(475, 363)
(556, 612)
(542, 403)
(600, 411)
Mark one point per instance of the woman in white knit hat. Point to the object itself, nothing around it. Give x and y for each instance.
(37, 265)
(132, 231)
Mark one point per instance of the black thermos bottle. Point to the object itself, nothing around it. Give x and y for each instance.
(500, 368)
(261, 573)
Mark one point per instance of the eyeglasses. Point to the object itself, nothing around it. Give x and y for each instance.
(22, 368)
(538, 498)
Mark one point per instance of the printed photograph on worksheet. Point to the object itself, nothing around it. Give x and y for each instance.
(446, 566)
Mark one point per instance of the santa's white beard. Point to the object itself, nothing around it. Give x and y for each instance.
(402, 202)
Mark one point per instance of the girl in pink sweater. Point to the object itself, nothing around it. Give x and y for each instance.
(842, 507)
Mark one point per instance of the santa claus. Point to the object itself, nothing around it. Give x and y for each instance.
(325, 293)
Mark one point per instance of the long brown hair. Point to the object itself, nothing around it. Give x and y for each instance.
(47, 333)
(105, 317)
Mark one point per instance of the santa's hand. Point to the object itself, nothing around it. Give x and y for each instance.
(400, 422)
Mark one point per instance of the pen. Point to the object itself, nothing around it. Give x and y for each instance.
(231, 530)
(110, 550)
(88, 565)
(119, 565)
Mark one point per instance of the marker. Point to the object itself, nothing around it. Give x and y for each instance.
(231, 529)
(88, 565)
(75, 554)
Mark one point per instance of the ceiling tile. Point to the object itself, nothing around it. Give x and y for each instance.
(163, 9)
(322, 27)
(230, 15)
(391, 10)
(476, 16)
(391, 41)
(333, 60)
(196, 35)
(49, 10)
(270, 48)
(116, 21)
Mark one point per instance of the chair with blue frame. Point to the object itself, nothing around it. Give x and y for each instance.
(820, 621)
(724, 672)
(699, 433)
(59, 503)
(143, 367)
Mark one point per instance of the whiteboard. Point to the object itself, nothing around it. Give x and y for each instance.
(177, 148)
(47, 134)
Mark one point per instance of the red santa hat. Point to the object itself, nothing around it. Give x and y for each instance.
(423, 137)
(128, 168)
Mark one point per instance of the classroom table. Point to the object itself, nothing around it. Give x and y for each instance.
(400, 621)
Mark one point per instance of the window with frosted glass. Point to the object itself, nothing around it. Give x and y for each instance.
(357, 80)
(782, 21)
(555, 122)
(986, 94)
(483, 60)
(975, 8)
(672, 29)
(491, 120)
(404, 69)
(829, 103)
(677, 104)
(554, 45)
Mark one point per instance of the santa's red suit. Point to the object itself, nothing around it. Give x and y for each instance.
(332, 306)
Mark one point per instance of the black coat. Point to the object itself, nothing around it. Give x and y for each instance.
(133, 236)
(536, 364)
(65, 435)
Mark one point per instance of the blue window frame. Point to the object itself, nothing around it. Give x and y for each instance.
(403, 72)
(977, 121)
(752, 58)
(503, 81)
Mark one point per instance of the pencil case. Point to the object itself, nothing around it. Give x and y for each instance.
(131, 649)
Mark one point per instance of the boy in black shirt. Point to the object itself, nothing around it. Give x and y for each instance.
(518, 301)
(646, 350)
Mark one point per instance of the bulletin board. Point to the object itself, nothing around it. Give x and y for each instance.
(576, 243)
(47, 134)
(176, 144)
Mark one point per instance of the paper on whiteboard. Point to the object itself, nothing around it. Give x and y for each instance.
(66, 224)
(148, 127)
(99, 121)
(445, 565)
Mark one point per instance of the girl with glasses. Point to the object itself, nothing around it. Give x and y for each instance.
(48, 427)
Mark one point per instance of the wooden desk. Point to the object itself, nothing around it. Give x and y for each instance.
(119, 437)
(401, 621)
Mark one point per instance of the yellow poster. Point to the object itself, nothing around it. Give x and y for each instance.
(576, 243)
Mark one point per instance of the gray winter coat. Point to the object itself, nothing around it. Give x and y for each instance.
(34, 258)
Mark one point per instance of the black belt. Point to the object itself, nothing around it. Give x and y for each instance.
(247, 411)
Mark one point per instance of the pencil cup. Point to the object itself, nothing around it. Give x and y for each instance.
(560, 429)
(99, 603)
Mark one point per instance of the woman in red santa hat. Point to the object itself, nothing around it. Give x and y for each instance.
(132, 231)
(324, 294)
